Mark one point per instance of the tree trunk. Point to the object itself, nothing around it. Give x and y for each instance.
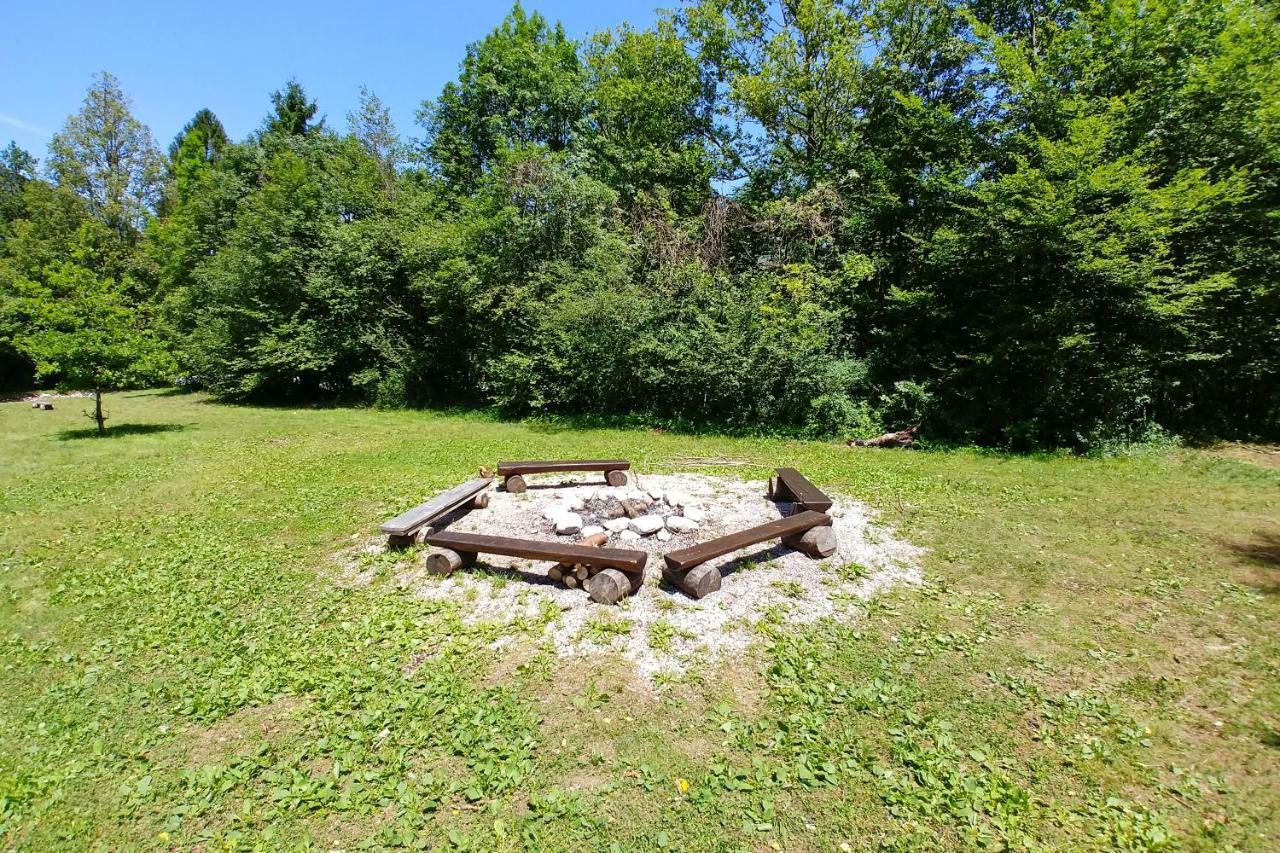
(97, 411)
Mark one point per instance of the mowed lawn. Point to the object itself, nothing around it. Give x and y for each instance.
(1092, 662)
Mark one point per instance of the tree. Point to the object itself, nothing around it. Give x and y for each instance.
(371, 124)
(80, 328)
(17, 168)
(650, 116)
(107, 156)
(294, 114)
(521, 85)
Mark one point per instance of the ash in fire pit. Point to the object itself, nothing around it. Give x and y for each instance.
(658, 628)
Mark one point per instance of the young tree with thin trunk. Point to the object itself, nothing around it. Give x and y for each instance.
(80, 329)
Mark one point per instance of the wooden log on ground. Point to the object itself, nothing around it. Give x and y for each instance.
(903, 438)
(410, 520)
(480, 501)
(608, 587)
(570, 581)
(420, 535)
(626, 560)
(794, 525)
(515, 484)
(791, 485)
(699, 581)
(615, 477)
(507, 469)
(445, 561)
(816, 542)
(556, 573)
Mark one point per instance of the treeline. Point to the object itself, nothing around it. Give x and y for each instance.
(1025, 224)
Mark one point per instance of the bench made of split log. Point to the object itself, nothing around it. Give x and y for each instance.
(623, 559)
(622, 570)
(809, 532)
(791, 485)
(513, 472)
(406, 524)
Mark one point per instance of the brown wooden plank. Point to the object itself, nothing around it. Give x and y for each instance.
(687, 558)
(410, 520)
(796, 486)
(535, 549)
(506, 469)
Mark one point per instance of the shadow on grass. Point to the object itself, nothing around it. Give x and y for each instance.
(1263, 551)
(120, 430)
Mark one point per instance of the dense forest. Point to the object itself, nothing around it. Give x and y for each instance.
(1027, 224)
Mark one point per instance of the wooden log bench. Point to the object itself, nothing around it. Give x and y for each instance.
(412, 526)
(513, 472)
(790, 485)
(621, 571)
(808, 532)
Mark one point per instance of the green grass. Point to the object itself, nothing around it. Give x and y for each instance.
(1091, 663)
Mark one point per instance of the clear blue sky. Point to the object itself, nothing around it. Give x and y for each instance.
(174, 58)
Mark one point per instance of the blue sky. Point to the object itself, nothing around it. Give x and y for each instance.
(174, 58)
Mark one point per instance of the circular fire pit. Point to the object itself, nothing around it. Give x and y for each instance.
(658, 627)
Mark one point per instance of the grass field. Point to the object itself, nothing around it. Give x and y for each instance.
(1092, 662)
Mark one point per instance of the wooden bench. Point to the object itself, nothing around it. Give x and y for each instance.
(808, 531)
(622, 570)
(791, 485)
(408, 526)
(513, 472)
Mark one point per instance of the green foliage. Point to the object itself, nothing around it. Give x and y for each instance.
(108, 157)
(80, 329)
(1032, 228)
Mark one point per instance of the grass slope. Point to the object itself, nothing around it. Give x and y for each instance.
(1093, 662)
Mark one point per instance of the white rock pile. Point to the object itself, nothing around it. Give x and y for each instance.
(628, 515)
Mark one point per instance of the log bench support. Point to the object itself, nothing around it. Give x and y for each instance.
(808, 532)
(413, 526)
(607, 574)
(615, 471)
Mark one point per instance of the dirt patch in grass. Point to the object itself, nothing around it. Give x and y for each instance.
(242, 730)
(1264, 455)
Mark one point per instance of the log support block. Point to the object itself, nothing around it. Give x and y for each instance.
(697, 582)
(445, 561)
(616, 478)
(481, 501)
(515, 484)
(608, 587)
(816, 542)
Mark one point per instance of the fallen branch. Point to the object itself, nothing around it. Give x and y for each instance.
(904, 438)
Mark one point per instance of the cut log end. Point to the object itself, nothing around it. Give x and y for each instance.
(697, 582)
(419, 536)
(443, 562)
(515, 484)
(616, 478)
(608, 587)
(480, 501)
(816, 542)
